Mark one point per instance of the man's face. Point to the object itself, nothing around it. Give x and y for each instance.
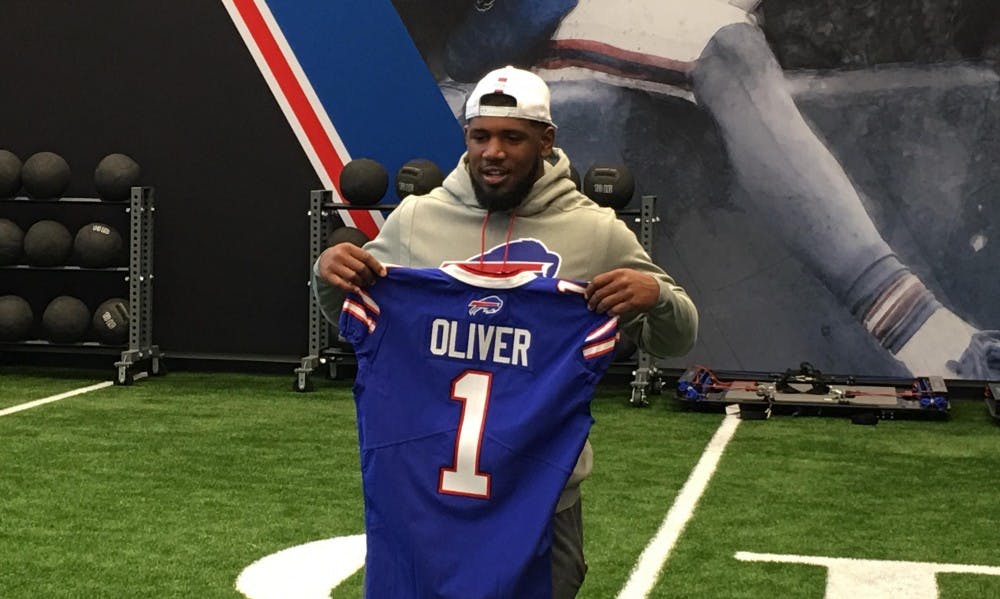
(505, 158)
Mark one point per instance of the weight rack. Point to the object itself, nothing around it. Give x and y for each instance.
(138, 275)
(140, 290)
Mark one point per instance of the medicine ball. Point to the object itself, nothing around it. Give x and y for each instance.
(610, 185)
(47, 243)
(111, 321)
(115, 176)
(10, 174)
(11, 242)
(348, 234)
(65, 320)
(417, 177)
(45, 175)
(16, 318)
(363, 181)
(97, 245)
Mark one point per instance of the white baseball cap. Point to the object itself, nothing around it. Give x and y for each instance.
(528, 89)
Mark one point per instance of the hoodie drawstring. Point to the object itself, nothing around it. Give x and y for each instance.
(506, 245)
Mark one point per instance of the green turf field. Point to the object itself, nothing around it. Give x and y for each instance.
(172, 486)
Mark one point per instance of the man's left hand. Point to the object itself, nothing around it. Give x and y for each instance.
(622, 291)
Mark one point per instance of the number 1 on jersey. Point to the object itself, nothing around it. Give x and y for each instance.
(472, 388)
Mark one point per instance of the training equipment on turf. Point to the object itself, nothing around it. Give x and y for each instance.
(417, 177)
(47, 243)
(16, 318)
(363, 181)
(10, 174)
(489, 380)
(610, 185)
(97, 245)
(111, 320)
(807, 391)
(115, 176)
(11, 242)
(45, 175)
(348, 235)
(65, 320)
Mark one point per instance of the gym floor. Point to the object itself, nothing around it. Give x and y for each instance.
(171, 487)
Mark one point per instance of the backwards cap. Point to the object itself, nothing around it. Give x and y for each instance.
(528, 90)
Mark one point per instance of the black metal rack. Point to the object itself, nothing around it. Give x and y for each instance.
(320, 352)
(139, 276)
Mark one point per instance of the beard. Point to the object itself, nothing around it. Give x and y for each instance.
(501, 201)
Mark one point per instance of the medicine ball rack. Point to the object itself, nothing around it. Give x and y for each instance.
(647, 378)
(139, 275)
(321, 204)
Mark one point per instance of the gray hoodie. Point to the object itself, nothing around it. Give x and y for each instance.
(447, 225)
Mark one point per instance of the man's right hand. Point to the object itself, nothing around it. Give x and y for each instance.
(349, 267)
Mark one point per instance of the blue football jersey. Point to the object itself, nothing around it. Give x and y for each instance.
(473, 403)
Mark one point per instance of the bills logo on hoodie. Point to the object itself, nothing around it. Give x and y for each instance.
(523, 255)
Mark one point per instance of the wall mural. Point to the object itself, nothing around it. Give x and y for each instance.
(824, 170)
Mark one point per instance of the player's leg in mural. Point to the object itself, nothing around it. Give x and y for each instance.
(782, 167)
(783, 172)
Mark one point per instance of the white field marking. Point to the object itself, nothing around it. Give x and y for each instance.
(647, 569)
(45, 400)
(848, 578)
(308, 571)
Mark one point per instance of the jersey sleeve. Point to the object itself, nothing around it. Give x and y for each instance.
(359, 318)
(598, 345)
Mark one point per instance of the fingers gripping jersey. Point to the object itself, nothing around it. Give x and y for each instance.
(472, 399)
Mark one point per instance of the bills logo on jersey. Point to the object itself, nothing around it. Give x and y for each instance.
(487, 305)
(522, 255)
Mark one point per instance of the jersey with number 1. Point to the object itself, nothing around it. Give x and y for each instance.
(472, 398)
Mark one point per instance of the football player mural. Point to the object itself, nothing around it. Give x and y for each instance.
(841, 217)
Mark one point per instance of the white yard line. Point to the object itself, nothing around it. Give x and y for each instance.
(43, 401)
(647, 569)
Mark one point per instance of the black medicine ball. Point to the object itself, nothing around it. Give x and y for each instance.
(97, 245)
(111, 321)
(609, 185)
(45, 175)
(348, 234)
(11, 242)
(10, 174)
(65, 320)
(417, 177)
(16, 318)
(47, 243)
(115, 176)
(363, 181)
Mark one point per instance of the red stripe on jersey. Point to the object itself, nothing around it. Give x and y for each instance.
(599, 349)
(358, 311)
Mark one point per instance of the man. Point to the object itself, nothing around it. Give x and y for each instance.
(510, 205)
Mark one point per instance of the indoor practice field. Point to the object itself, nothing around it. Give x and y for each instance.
(173, 486)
